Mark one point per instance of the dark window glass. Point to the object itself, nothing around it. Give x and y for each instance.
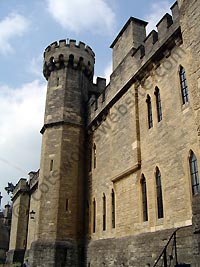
(104, 212)
(113, 208)
(158, 104)
(144, 199)
(149, 110)
(94, 216)
(159, 194)
(194, 173)
(184, 87)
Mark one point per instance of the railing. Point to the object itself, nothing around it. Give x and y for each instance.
(166, 258)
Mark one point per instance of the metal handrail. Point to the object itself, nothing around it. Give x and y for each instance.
(164, 251)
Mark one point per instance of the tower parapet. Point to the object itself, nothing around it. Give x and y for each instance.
(66, 53)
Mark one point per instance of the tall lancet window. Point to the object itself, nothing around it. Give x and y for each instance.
(158, 104)
(113, 208)
(159, 194)
(194, 173)
(149, 111)
(144, 198)
(104, 212)
(184, 86)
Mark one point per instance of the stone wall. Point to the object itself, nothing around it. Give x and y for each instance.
(139, 250)
(126, 148)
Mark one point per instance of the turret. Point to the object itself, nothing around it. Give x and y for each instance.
(64, 54)
(69, 69)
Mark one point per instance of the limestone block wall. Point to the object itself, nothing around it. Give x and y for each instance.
(139, 250)
(120, 146)
(20, 214)
(124, 143)
(33, 219)
(116, 153)
(168, 143)
(131, 36)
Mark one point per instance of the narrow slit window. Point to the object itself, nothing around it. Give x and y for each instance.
(194, 173)
(159, 194)
(113, 208)
(67, 204)
(94, 216)
(57, 81)
(51, 165)
(149, 111)
(104, 212)
(184, 86)
(144, 199)
(95, 155)
(158, 104)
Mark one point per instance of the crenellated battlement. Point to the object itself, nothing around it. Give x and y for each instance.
(20, 187)
(153, 48)
(66, 53)
(165, 28)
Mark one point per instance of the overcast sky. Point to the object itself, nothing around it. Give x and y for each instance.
(26, 29)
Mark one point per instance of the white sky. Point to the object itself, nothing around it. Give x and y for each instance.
(26, 28)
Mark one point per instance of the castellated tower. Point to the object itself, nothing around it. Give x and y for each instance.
(68, 68)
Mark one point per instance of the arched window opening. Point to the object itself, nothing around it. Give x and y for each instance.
(113, 208)
(158, 104)
(184, 86)
(194, 173)
(94, 216)
(80, 62)
(144, 199)
(52, 63)
(71, 60)
(159, 194)
(104, 212)
(61, 61)
(149, 110)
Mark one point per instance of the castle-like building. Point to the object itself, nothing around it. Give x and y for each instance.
(5, 223)
(119, 177)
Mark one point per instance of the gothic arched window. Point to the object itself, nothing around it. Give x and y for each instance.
(144, 198)
(194, 173)
(184, 87)
(159, 194)
(113, 208)
(149, 111)
(158, 104)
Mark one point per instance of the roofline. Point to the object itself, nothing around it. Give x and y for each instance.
(139, 21)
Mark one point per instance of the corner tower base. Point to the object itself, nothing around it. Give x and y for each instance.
(15, 256)
(49, 253)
